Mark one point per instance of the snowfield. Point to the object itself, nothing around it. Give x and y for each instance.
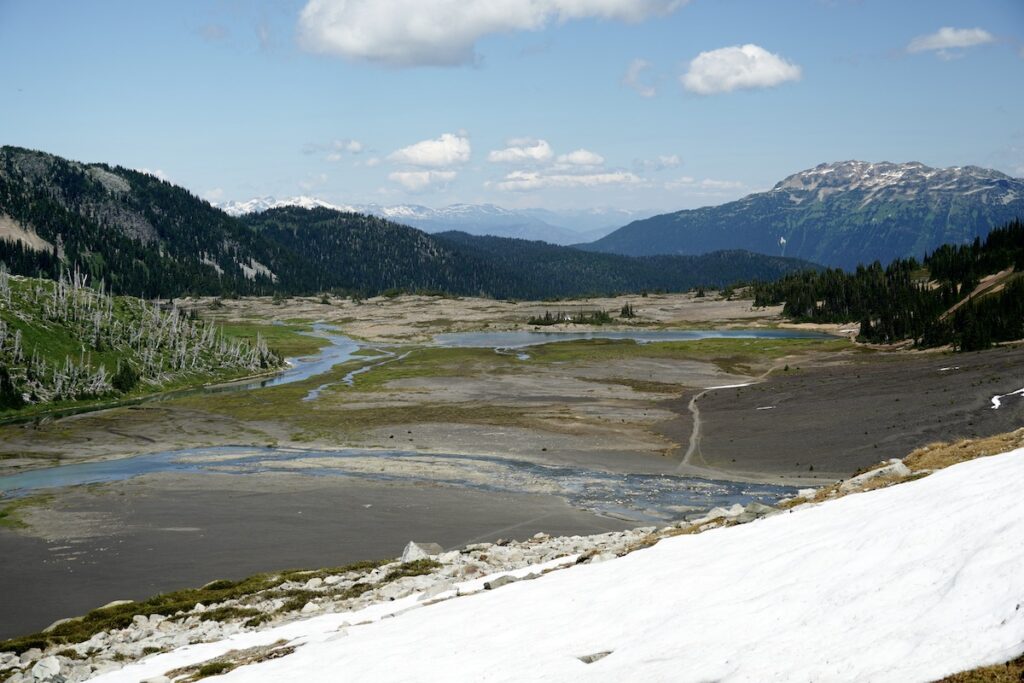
(908, 583)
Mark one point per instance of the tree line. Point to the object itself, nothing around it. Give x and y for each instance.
(928, 302)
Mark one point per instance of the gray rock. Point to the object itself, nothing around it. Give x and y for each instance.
(437, 589)
(314, 583)
(894, 467)
(46, 669)
(30, 655)
(499, 582)
(57, 623)
(590, 659)
(420, 551)
(759, 509)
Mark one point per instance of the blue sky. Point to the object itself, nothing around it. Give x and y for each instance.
(640, 104)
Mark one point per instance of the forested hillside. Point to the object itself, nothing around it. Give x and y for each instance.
(970, 296)
(141, 236)
(64, 341)
(547, 270)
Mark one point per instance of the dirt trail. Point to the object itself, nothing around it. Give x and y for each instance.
(687, 463)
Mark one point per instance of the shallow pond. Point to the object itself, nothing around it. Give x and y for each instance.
(635, 497)
(522, 338)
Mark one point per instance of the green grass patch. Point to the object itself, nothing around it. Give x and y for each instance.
(730, 354)
(287, 340)
(9, 511)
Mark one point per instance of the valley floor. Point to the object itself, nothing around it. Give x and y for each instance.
(600, 406)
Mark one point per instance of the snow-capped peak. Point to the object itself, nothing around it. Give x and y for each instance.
(889, 180)
(259, 204)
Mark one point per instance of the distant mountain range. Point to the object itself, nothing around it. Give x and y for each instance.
(838, 214)
(556, 227)
(144, 236)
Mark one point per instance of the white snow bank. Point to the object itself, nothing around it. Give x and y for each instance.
(907, 583)
(997, 401)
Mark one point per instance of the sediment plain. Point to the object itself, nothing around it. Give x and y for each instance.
(495, 442)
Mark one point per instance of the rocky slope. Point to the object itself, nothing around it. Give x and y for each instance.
(838, 214)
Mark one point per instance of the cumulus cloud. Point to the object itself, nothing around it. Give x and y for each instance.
(448, 150)
(522, 181)
(635, 78)
(522, 151)
(737, 67)
(581, 157)
(444, 32)
(417, 181)
(949, 38)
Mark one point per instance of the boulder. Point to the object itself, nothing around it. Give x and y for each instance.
(893, 468)
(499, 582)
(437, 589)
(46, 669)
(57, 623)
(420, 551)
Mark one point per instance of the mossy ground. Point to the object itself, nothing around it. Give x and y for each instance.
(167, 604)
(10, 517)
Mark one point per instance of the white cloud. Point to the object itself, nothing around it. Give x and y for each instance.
(737, 67)
(707, 186)
(581, 157)
(416, 181)
(335, 149)
(313, 181)
(634, 78)
(949, 38)
(156, 173)
(444, 32)
(660, 163)
(521, 181)
(522, 150)
(447, 150)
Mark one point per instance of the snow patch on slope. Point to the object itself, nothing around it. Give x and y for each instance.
(908, 583)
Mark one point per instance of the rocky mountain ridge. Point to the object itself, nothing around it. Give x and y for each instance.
(838, 214)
